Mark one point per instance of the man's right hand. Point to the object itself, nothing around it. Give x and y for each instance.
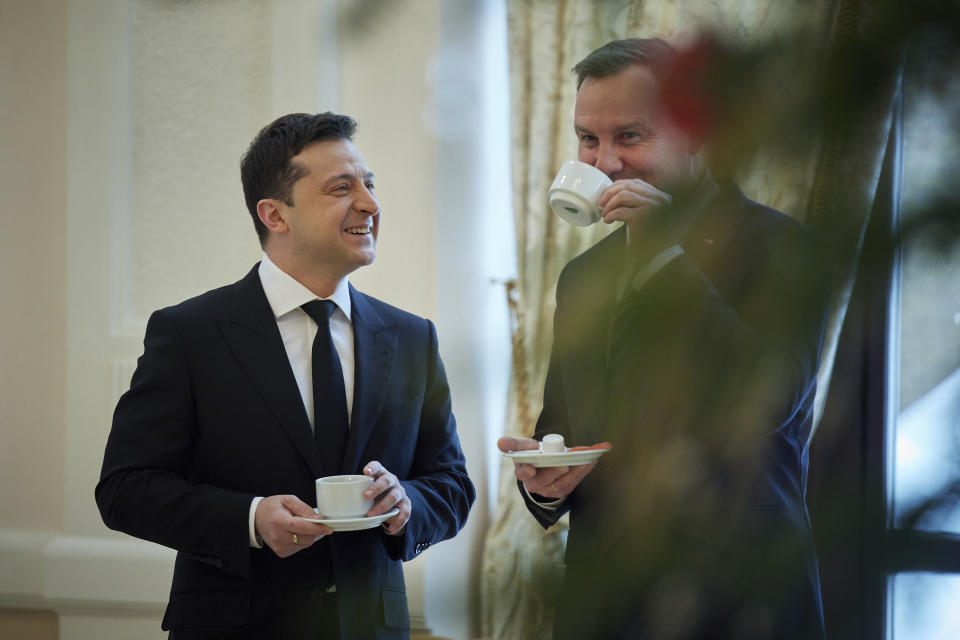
(632, 201)
(549, 482)
(279, 528)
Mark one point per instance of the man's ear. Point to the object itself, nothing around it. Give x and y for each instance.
(272, 214)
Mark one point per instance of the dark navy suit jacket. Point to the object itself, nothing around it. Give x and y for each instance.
(213, 418)
(708, 407)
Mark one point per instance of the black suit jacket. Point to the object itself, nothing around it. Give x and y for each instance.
(213, 418)
(707, 401)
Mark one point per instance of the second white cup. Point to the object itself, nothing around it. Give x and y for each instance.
(340, 497)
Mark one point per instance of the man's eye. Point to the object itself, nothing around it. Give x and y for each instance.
(370, 186)
(633, 136)
(585, 139)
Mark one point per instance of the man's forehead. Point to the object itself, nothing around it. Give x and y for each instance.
(634, 90)
(610, 122)
(329, 158)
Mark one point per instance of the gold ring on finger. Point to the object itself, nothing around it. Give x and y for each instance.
(295, 539)
(555, 488)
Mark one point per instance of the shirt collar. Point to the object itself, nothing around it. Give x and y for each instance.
(285, 294)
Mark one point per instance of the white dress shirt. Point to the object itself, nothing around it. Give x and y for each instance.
(298, 330)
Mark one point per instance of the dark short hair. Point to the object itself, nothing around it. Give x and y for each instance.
(266, 170)
(617, 55)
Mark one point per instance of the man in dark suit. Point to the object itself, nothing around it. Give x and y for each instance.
(689, 338)
(248, 393)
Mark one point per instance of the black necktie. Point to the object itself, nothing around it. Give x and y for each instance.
(329, 397)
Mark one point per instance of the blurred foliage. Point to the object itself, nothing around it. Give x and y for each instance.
(358, 18)
(750, 100)
(679, 497)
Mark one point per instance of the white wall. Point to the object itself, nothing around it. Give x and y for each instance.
(468, 115)
(32, 260)
(33, 69)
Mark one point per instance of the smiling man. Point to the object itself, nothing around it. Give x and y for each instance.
(248, 393)
(689, 338)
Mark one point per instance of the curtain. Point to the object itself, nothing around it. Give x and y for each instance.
(850, 161)
(828, 182)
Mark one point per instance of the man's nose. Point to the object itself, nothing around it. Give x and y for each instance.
(367, 203)
(608, 160)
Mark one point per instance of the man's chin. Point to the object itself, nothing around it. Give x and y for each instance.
(366, 258)
(361, 253)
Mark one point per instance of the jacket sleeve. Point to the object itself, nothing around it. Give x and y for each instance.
(553, 416)
(144, 488)
(438, 487)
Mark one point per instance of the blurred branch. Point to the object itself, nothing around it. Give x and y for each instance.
(358, 17)
(935, 225)
(788, 95)
(942, 501)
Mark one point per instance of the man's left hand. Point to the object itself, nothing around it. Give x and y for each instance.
(387, 494)
(550, 482)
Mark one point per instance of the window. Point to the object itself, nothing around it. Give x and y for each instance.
(885, 464)
(923, 425)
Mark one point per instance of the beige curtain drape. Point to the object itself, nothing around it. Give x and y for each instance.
(829, 184)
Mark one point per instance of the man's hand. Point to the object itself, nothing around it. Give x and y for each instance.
(550, 482)
(635, 202)
(279, 528)
(387, 493)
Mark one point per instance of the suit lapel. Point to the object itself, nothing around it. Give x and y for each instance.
(374, 352)
(588, 331)
(253, 337)
(720, 222)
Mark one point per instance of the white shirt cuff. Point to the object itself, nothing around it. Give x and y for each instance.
(384, 525)
(251, 524)
(553, 504)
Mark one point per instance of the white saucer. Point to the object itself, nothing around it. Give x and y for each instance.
(353, 524)
(565, 459)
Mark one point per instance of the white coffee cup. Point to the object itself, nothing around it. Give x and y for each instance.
(575, 192)
(340, 497)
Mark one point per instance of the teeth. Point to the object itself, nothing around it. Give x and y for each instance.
(359, 231)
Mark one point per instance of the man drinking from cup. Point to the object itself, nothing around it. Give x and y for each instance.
(688, 338)
(246, 395)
